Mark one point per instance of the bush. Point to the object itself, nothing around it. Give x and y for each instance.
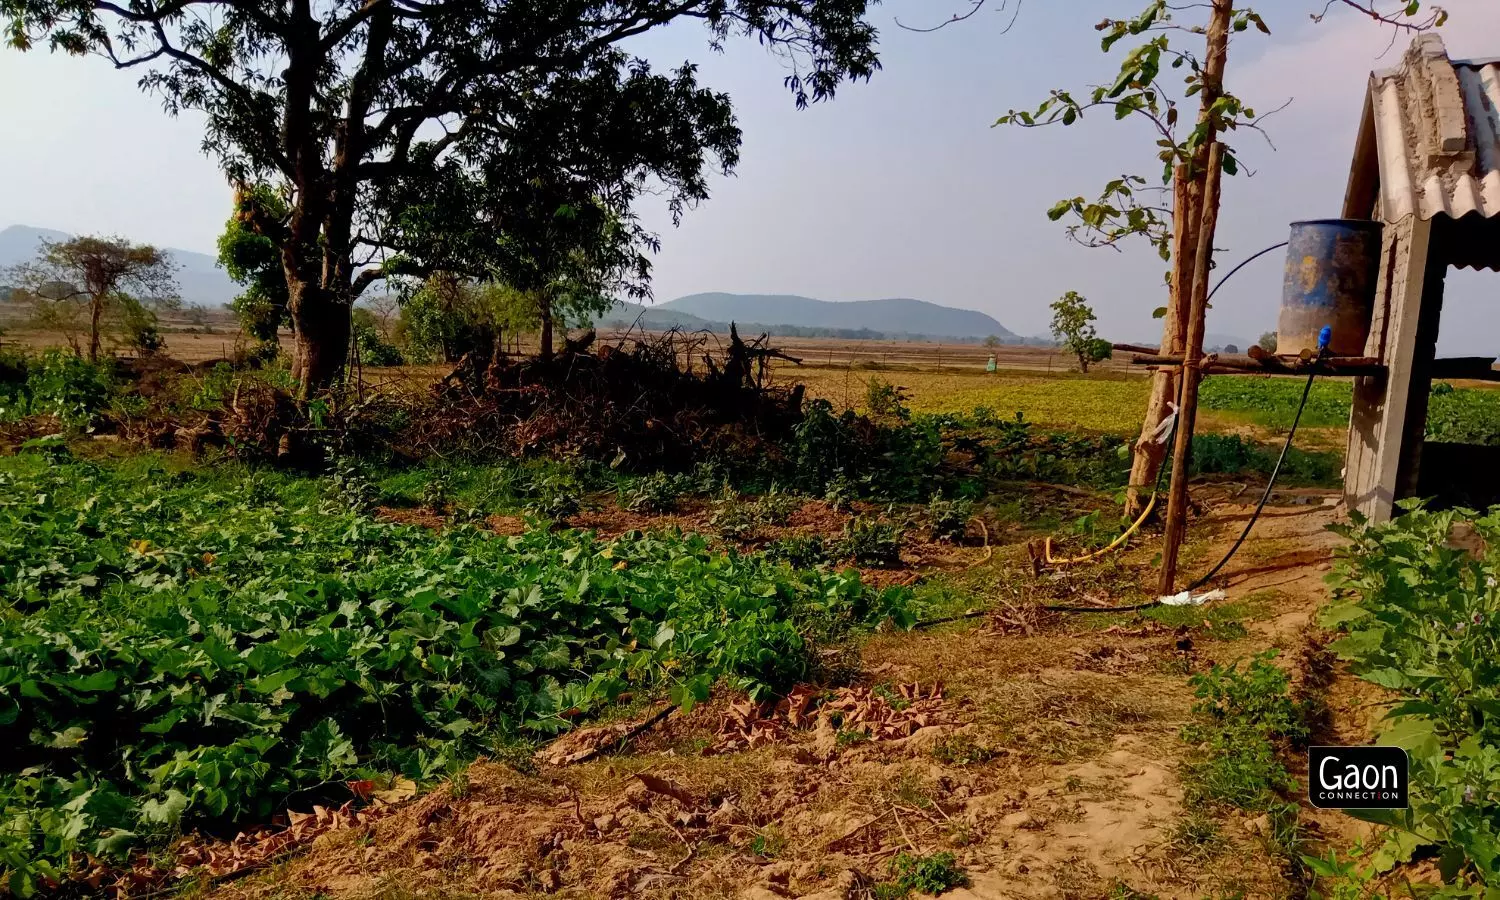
(930, 874)
(949, 519)
(872, 543)
(799, 552)
(1422, 616)
(776, 508)
(54, 384)
(654, 493)
(886, 401)
(554, 496)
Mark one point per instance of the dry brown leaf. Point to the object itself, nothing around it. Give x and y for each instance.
(658, 785)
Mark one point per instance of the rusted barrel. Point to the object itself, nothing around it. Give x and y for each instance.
(1331, 270)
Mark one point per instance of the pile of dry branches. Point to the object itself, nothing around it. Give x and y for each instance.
(646, 400)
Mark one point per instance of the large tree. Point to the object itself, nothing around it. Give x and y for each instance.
(339, 100)
(98, 277)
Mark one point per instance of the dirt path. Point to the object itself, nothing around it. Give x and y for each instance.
(1046, 764)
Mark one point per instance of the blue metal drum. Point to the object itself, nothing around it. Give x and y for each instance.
(1332, 266)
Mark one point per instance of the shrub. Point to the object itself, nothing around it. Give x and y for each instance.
(872, 543)
(1422, 616)
(554, 496)
(54, 384)
(948, 519)
(886, 401)
(732, 517)
(654, 493)
(799, 552)
(776, 508)
(930, 874)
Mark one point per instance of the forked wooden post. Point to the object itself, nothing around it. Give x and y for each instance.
(1191, 375)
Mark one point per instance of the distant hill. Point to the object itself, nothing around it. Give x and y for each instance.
(794, 316)
(894, 315)
(199, 278)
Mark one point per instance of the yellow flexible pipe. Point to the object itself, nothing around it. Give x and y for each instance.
(1115, 544)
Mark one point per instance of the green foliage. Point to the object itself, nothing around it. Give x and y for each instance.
(933, 873)
(1464, 415)
(1273, 401)
(1231, 454)
(654, 493)
(800, 552)
(732, 517)
(886, 401)
(1460, 415)
(1244, 717)
(137, 326)
(374, 348)
(54, 384)
(448, 317)
(897, 461)
(254, 262)
(208, 648)
(1073, 325)
(1136, 90)
(1268, 341)
(961, 750)
(1422, 619)
(871, 542)
(949, 519)
(554, 496)
(776, 508)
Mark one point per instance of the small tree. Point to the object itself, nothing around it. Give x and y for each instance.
(89, 277)
(1267, 342)
(1231, 348)
(1073, 326)
(992, 342)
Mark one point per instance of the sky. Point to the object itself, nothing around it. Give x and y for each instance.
(897, 187)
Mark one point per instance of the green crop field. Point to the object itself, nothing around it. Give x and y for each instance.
(1115, 403)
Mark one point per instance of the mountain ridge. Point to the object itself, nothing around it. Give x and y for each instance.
(898, 315)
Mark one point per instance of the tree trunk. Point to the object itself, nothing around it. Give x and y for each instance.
(544, 313)
(322, 327)
(96, 315)
(1188, 185)
(1149, 453)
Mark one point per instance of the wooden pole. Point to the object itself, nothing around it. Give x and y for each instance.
(1187, 205)
(1190, 375)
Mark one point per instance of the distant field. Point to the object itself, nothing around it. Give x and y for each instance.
(1115, 402)
(1038, 382)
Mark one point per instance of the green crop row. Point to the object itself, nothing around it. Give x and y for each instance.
(206, 647)
(1421, 612)
(1459, 415)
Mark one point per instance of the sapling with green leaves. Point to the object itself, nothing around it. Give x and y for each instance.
(1073, 326)
(1166, 210)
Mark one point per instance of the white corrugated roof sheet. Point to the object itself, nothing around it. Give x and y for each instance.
(1437, 134)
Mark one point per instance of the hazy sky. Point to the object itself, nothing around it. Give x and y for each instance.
(898, 187)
